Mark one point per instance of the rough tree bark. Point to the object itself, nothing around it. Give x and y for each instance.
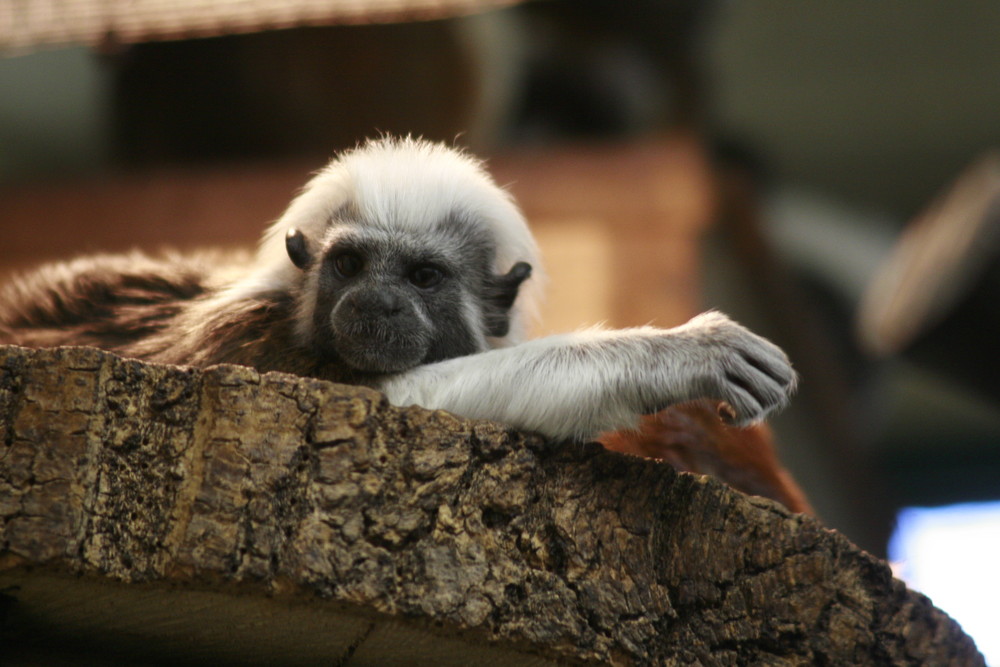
(167, 515)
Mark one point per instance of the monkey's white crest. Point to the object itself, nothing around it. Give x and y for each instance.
(405, 183)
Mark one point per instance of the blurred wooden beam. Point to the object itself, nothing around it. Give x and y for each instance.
(35, 23)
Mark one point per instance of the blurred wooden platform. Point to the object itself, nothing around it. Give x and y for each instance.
(619, 224)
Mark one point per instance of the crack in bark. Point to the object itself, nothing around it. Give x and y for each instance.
(345, 659)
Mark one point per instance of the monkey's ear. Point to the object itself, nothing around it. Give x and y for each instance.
(501, 292)
(298, 249)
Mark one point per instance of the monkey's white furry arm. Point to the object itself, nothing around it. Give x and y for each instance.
(575, 386)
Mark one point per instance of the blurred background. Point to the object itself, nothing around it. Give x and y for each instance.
(824, 172)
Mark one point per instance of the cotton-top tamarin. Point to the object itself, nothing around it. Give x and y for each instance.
(401, 266)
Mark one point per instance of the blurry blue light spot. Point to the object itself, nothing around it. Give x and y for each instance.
(952, 555)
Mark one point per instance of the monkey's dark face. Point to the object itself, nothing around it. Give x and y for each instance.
(386, 300)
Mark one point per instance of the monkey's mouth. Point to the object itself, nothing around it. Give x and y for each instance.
(377, 350)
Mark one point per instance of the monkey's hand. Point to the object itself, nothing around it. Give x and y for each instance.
(575, 386)
(732, 364)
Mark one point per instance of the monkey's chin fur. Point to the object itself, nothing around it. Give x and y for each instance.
(385, 353)
(369, 361)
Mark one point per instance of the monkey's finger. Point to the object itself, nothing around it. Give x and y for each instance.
(775, 366)
(762, 386)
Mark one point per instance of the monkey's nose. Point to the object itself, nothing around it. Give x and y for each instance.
(377, 303)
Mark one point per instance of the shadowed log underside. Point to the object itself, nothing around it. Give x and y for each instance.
(162, 515)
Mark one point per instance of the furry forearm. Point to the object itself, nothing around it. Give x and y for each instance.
(575, 386)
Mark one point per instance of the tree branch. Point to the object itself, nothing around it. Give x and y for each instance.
(165, 514)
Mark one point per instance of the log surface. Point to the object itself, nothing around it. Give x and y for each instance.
(160, 514)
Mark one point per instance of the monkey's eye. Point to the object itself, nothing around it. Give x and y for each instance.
(426, 276)
(348, 264)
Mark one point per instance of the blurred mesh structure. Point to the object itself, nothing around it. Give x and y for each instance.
(30, 24)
